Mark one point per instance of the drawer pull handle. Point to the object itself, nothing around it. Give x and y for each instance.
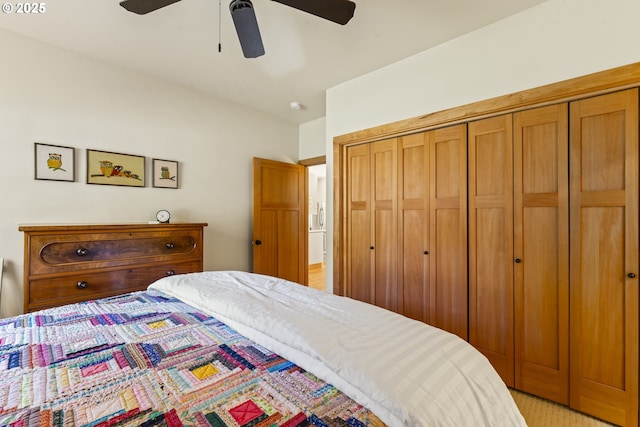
(170, 272)
(81, 251)
(631, 275)
(170, 245)
(82, 285)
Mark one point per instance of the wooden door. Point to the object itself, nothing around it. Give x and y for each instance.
(491, 242)
(358, 230)
(413, 226)
(604, 257)
(280, 220)
(541, 250)
(448, 229)
(384, 219)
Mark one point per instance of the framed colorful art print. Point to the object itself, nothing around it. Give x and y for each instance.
(54, 162)
(107, 168)
(165, 173)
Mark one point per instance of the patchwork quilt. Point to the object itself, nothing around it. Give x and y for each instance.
(149, 359)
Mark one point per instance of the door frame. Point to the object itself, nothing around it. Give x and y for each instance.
(311, 161)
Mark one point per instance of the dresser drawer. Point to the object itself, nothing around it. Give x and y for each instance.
(59, 253)
(44, 293)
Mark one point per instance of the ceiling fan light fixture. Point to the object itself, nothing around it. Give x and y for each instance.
(244, 19)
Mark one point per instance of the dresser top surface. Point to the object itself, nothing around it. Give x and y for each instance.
(110, 226)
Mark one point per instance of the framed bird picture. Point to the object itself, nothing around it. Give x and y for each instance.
(165, 173)
(54, 162)
(107, 168)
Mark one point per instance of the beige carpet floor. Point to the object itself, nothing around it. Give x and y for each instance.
(544, 413)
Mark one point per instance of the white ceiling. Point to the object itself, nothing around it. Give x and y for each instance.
(305, 54)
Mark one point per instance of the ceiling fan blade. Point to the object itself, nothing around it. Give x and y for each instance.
(338, 11)
(142, 7)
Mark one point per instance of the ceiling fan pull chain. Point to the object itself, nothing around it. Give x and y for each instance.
(219, 26)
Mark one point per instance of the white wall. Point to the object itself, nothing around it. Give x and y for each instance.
(555, 41)
(312, 139)
(53, 96)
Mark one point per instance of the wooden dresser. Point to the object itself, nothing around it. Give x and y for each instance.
(65, 264)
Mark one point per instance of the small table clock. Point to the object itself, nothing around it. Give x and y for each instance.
(163, 216)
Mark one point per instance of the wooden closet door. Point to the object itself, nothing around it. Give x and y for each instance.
(384, 231)
(541, 250)
(491, 242)
(448, 235)
(604, 257)
(358, 211)
(413, 226)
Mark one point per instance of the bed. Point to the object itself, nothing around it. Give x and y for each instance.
(230, 348)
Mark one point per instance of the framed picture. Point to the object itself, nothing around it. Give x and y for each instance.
(165, 173)
(104, 167)
(55, 162)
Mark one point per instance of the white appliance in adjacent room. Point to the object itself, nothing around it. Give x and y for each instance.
(321, 217)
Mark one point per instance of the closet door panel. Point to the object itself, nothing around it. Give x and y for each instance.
(359, 284)
(413, 226)
(448, 247)
(384, 232)
(490, 285)
(491, 242)
(604, 257)
(541, 244)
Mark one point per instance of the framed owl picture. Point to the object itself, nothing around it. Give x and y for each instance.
(165, 173)
(108, 168)
(55, 162)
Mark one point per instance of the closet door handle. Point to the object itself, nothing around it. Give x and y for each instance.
(518, 260)
(631, 275)
(426, 252)
(371, 247)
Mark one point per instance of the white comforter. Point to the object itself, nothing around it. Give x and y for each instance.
(406, 372)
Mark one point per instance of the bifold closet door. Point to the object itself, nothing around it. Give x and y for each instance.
(491, 242)
(541, 251)
(448, 249)
(413, 226)
(384, 227)
(372, 223)
(604, 257)
(358, 194)
(432, 228)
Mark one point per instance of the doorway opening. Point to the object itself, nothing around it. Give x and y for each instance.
(317, 226)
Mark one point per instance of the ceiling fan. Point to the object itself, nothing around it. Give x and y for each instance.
(244, 18)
